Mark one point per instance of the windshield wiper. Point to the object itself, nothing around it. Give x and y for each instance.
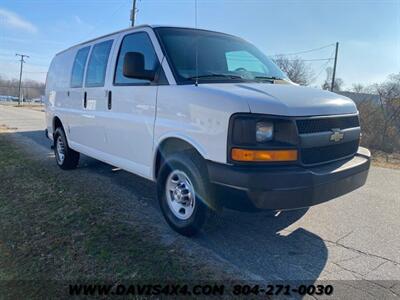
(213, 75)
(271, 78)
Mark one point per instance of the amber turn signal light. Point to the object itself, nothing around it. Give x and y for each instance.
(263, 155)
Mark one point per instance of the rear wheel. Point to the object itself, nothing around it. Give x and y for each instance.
(184, 192)
(66, 158)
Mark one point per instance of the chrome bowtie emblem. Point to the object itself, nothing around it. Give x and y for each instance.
(337, 135)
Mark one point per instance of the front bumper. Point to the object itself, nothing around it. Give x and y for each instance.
(279, 188)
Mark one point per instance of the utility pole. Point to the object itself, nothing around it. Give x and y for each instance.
(334, 67)
(133, 13)
(20, 75)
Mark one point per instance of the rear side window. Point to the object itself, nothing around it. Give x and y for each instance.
(79, 67)
(96, 70)
(135, 42)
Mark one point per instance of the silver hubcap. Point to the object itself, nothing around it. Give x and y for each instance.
(181, 197)
(60, 148)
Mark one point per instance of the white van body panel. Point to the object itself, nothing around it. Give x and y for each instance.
(129, 125)
(58, 79)
(142, 117)
(197, 114)
(283, 99)
(122, 136)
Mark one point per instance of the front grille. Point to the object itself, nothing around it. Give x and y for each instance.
(327, 153)
(326, 124)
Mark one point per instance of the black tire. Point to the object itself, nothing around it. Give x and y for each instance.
(71, 157)
(192, 164)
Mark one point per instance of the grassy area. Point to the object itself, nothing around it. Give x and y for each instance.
(52, 228)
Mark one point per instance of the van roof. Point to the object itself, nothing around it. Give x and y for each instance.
(131, 28)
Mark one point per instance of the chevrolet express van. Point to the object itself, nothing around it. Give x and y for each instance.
(208, 117)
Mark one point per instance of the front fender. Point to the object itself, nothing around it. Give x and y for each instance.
(176, 135)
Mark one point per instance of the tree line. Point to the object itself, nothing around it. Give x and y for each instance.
(380, 121)
(31, 89)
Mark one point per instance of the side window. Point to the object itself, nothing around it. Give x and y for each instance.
(243, 61)
(135, 42)
(79, 67)
(96, 70)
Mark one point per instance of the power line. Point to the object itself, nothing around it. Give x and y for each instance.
(314, 59)
(304, 51)
(322, 68)
(30, 63)
(102, 20)
(296, 59)
(326, 60)
(318, 59)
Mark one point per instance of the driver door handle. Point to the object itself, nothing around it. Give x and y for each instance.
(109, 101)
(84, 99)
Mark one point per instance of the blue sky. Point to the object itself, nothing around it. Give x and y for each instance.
(368, 31)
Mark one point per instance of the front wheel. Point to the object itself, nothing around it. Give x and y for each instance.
(184, 192)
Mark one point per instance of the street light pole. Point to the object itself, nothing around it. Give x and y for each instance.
(20, 75)
(133, 13)
(334, 67)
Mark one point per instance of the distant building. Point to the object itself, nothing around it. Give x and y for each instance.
(360, 97)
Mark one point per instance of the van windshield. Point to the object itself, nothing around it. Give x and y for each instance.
(220, 57)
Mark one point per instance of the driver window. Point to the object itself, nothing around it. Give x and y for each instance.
(135, 42)
(242, 61)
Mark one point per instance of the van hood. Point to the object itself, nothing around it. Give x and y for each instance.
(286, 99)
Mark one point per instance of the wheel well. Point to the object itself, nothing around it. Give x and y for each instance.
(57, 123)
(168, 147)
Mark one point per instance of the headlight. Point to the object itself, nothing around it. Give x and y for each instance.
(262, 138)
(264, 131)
(251, 130)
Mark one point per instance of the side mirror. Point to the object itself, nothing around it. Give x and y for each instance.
(134, 67)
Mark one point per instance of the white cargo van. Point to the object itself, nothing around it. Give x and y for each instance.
(208, 117)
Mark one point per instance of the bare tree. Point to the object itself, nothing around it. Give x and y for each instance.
(296, 69)
(389, 98)
(328, 81)
(30, 88)
(358, 88)
(380, 122)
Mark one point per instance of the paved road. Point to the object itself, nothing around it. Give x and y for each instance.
(356, 236)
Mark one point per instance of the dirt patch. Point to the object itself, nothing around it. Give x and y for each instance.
(386, 160)
(6, 129)
(33, 106)
(28, 105)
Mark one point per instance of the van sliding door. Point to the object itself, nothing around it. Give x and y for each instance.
(94, 103)
(75, 96)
